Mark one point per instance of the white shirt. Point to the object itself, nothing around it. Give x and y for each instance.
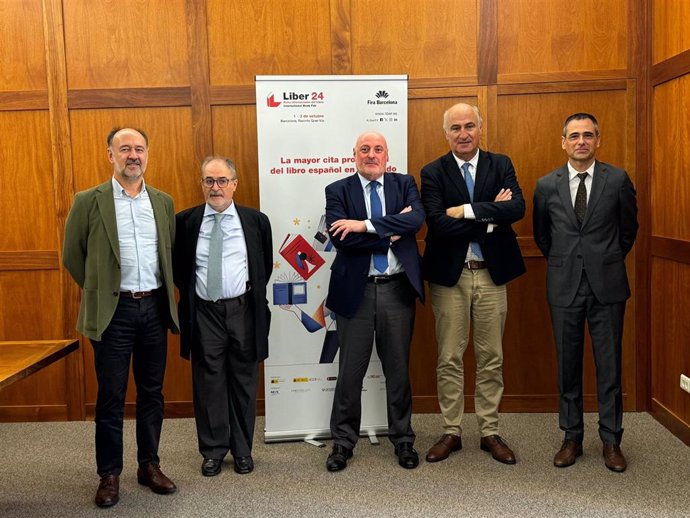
(574, 181)
(394, 266)
(467, 207)
(235, 270)
(138, 240)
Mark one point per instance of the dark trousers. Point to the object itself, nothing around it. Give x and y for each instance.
(137, 333)
(387, 312)
(605, 322)
(225, 376)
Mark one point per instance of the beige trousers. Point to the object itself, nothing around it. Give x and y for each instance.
(476, 299)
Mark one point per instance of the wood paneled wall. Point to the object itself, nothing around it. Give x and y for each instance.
(183, 70)
(670, 214)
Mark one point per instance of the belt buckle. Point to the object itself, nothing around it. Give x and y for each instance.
(134, 295)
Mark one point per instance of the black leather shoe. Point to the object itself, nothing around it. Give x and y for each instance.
(244, 465)
(407, 456)
(337, 460)
(211, 467)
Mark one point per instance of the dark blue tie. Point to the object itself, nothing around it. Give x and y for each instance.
(470, 187)
(380, 260)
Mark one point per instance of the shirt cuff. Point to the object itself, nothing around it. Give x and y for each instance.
(469, 213)
(370, 227)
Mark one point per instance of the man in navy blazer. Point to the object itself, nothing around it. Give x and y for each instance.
(373, 219)
(471, 198)
(585, 223)
(226, 332)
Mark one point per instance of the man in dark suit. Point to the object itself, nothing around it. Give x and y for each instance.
(471, 198)
(118, 238)
(585, 223)
(222, 262)
(375, 279)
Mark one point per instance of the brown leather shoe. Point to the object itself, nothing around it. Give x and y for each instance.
(108, 493)
(499, 450)
(151, 475)
(614, 458)
(444, 446)
(570, 450)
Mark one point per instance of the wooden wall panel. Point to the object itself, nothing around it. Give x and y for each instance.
(169, 130)
(670, 182)
(126, 43)
(431, 39)
(530, 128)
(27, 206)
(183, 70)
(559, 36)
(266, 37)
(22, 58)
(670, 34)
(670, 325)
(234, 135)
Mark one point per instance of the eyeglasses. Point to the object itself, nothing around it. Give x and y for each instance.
(222, 182)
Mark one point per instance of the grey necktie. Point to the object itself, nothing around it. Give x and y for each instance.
(214, 280)
(581, 199)
(476, 250)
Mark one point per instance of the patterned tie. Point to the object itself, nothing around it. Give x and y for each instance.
(581, 199)
(214, 280)
(470, 188)
(380, 260)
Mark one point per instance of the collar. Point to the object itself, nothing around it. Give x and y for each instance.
(119, 191)
(210, 211)
(366, 182)
(472, 161)
(572, 172)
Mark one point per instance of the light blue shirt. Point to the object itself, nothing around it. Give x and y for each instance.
(394, 265)
(138, 239)
(235, 269)
(468, 212)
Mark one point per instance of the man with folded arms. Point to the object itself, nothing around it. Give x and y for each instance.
(471, 198)
(375, 280)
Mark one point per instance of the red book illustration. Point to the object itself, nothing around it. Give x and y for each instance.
(301, 255)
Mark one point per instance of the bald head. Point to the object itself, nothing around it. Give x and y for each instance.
(463, 128)
(371, 155)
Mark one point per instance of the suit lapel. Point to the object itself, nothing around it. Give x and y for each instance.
(598, 183)
(563, 188)
(106, 206)
(356, 194)
(454, 174)
(163, 231)
(390, 193)
(480, 176)
(249, 239)
(193, 229)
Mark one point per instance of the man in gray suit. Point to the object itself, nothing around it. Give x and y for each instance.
(585, 223)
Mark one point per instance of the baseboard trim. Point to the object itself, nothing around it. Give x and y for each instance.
(672, 422)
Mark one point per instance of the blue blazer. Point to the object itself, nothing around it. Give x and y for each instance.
(448, 238)
(350, 269)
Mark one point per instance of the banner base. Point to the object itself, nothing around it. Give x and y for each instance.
(311, 436)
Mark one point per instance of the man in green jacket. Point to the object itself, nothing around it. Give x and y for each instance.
(118, 243)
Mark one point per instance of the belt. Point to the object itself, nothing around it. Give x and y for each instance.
(238, 301)
(383, 279)
(475, 265)
(137, 294)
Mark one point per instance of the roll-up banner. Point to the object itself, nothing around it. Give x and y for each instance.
(307, 127)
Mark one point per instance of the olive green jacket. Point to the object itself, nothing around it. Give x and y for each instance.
(91, 254)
